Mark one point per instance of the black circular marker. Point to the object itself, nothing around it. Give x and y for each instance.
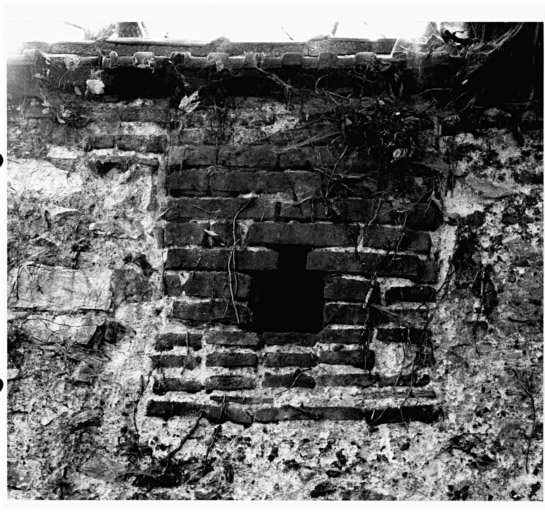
(1, 160)
(1, 384)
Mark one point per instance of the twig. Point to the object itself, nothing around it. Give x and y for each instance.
(185, 438)
(209, 449)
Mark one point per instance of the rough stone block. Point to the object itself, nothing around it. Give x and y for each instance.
(214, 311)
(216, 285)
(281, 359)
(231, 359)
(176, 361)
(293, 233)
(365, 263)
(128, 285)
(179, 210)
(352, 336)
(258, 157)
(392, 239)
(233, 339)
(364, 359)
(59, 289)
(349, 289)
(169, 340)
(164, 385)
(229, 382)
(410, 294)
(288, 338)
(359, 380)
(290, 380)
(217, 259)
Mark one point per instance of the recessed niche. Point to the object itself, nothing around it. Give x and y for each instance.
(290, 299)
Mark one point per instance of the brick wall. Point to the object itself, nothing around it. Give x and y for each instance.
(270, 250)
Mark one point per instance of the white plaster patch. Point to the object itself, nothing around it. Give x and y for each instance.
(41, 178)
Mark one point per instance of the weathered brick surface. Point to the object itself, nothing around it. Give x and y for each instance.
(281, 359)
(366, 263)
(233, 339)
(317, 235)
(214, 310)
(288, 338)
(380, 237)
(231, 359)
(220, 182)
(194, 233)
(293, 413)
(402, 334)
(422, 413)
(214, 413)
(165, 385)
(344, 313)
(179, 210)
(142, 143)
(364, 359)
(290, 380)
(174, 361)
(352, 336)
(217, 285)
(409, 294)
(185, 157)
(217, 259)
(404, 380)
(349, 289)
(360, 380)
(229, 383)
(258, 156)
(169, 340)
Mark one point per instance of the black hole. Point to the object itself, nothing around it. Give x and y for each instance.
(290, 299)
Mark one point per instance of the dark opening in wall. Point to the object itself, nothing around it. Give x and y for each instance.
(290, 299)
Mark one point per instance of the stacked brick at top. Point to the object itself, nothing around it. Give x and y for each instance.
(294, 261)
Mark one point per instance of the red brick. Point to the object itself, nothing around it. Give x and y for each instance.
(185, 157)
(429, 272)
(190, 182)
(233, 339)
(214, 413)
(380, 237)
(229, 382)
(406, 414)
(411, 380)
(99, 142)
(142, 143)
(216, 285)
(292, 413)
(301, 183)
(217, 259)
(169, 340)
(258, 157)
(360, 380)
(196, 137)
(174, 361)
(194, 233)
(365, 263)
(179, 210)
(347, 289)
(364, 359)
(410, 294)
(343, 313)
(308, 211)
(218, 310)
(158, 114)
(165, 385)
(424, 216)
(289, 338)
(246, 400)
(295, 380)
(231, 359)
(401, 334)
(280, 359)
(293, 233)
(352, 336)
